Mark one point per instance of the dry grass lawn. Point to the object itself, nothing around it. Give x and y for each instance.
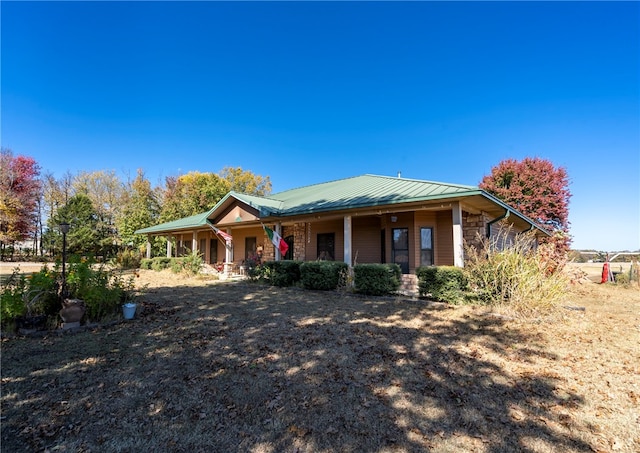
(224, 367)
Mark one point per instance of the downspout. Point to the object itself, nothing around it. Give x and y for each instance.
(502, 217)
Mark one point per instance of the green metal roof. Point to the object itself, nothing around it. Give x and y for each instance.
(185, 223)
(356, 192)
(364, 191)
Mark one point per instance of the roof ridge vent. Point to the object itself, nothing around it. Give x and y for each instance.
(399, 174)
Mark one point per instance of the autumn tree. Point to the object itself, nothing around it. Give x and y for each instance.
(191, 194)
(105, 191)
(539, 190)
(245, 181)
(19, 194)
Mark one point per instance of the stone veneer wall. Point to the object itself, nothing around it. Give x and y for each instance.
(299, 242)
(474, 228)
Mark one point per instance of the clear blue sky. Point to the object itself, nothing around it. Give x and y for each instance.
(311, 92)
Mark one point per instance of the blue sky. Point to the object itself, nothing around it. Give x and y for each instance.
(309, 92)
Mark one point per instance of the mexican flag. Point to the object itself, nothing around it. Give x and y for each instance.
(276, 240)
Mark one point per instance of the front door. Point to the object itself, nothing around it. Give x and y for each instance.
(400, 248)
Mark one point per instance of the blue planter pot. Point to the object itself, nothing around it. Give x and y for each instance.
(129, 310)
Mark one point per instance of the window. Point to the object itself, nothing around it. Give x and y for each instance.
(400, 248)
(289, 254)
(426, 246)
(326, 246)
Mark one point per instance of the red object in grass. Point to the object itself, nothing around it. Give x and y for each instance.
(605, 273)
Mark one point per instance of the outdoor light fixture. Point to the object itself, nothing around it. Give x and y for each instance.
(64, 229)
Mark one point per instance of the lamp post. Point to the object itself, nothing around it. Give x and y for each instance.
(64, 229)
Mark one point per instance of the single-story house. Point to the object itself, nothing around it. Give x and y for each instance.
(362, 219)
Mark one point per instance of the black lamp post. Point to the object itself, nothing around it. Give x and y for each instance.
(64, 229)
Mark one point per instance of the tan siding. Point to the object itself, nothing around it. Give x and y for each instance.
(234, 212)
(239, 236)
(330, 226)
(365, 244)
(424, 219)
(444, 239)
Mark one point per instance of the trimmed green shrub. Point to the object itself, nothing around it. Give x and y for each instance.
(145, 263)
(377, 279)
(160, 263)
(442, 283)
(322, 275)
(282, 273)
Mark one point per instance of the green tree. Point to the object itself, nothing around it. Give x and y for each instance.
(105, 190)
(84, 236)
(140, 209)
(245, 181)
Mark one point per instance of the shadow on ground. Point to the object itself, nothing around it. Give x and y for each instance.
(242, 367)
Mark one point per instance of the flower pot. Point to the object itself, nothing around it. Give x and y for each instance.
(72, 310)
(129, 310)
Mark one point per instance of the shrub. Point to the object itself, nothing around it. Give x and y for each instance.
(127, 259)
(160, 263)
(516, 276)
(622, 278)
(321, 275)
(11, 302)
(442, 283)
(377, 279)
(146, 263)
(282, 273)
(94, 287)
(192, 263)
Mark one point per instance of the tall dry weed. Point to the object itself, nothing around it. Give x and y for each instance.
(511, 272)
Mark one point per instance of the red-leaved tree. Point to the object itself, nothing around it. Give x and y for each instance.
(539, 190)
(19, 192)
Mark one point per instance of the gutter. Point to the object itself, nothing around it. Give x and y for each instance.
(497, 219)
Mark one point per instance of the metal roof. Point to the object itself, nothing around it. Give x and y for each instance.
(349, 193)
(364, 191)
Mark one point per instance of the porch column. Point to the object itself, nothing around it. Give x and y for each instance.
(194, 242)
(228, 257)
(168, 246)
(347, 240)
(458, 251)
(148, 247)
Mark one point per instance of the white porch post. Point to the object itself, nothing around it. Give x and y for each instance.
(148, 247)
(347, 240)
(277, 254)
(168, 246)
(228, 260)
(458, 251)
(194, 242)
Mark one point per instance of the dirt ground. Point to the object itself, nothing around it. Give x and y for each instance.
(235, 366)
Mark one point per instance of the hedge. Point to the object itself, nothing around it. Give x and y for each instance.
(322, 275)
(442, 283)
(282, 273)
(377, 279)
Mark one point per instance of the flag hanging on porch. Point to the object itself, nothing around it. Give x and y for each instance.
(276, 240)
(226, 236)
